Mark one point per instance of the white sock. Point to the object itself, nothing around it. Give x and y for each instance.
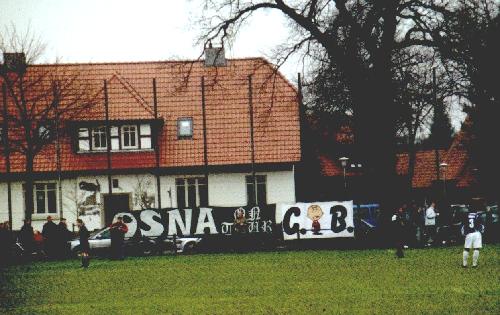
(466, 256)
(475, 257)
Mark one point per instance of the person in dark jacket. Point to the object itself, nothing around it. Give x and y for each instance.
(63, 237)
(49, 233)
(400, 222)
(5, 243)
(118, 230)
(84, 235)
(26, 238)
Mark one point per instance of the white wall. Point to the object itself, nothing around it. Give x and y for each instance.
(280, 187)
(225, 190)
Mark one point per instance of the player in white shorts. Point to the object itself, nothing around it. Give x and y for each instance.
(472, 230)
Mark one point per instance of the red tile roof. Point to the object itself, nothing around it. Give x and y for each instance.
(459, 167)
(130, 95)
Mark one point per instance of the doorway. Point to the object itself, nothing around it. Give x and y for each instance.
(114, 204)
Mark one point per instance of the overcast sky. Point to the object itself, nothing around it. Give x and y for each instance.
(112, 30)
(146, 30)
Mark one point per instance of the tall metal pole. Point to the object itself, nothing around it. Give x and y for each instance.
(108, 137)
(345, 182)
(58, 149)
(7, 152)
(434, 95)
(301, 115)
(157, 146)
(252, 143)
(205, 143)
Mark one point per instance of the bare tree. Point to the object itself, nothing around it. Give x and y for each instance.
(360, 37)
(38, 99)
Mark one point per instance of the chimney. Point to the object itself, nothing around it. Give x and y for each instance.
(14, 62)
(214, 56)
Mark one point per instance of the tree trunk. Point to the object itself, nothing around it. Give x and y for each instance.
(28, 186)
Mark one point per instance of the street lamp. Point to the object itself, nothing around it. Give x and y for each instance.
(343, 161)
(443, 166)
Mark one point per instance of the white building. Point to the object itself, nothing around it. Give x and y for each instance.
(199, 131)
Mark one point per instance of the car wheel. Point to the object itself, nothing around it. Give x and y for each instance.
(189, 248)
(76, 250)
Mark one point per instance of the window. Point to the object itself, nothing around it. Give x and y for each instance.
(45, 132)
(45, 198)
(256, 190)
(185, 128)
(129, 137)
(99, 138)
(191, 192)
(124, 137)
(1, 136)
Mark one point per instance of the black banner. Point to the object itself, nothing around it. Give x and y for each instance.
(200, 221)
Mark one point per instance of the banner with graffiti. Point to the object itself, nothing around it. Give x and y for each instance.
(200, 221)
(316, 220)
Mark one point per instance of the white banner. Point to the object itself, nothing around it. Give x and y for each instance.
(316, 220)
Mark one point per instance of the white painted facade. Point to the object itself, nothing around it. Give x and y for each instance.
(224, 189)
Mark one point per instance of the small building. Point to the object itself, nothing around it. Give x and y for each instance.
(181, 134)
(446, 173)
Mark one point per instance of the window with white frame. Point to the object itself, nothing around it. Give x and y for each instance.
(185, 128)
(191, 192)
(125, 137)
(45, 198)
(99, 138)
(129, 137)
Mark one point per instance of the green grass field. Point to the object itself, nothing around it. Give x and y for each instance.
(428, 281)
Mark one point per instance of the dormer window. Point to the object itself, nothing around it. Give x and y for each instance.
(126, 137)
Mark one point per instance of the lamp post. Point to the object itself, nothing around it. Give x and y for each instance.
(443, 167)
(343, 161)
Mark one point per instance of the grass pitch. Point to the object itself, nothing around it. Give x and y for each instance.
(426, 281)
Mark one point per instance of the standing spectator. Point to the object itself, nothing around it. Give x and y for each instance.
(489, 230)
(63, 237)
(26, 238)
(399, 225)
(430, 223)
(49, 233)
(420, 223)
(38, 243)
(4, 245)
(84, 235)
(118, 230)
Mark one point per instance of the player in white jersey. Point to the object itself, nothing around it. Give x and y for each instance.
(472, 229)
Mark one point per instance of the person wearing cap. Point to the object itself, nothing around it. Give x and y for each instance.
(49, 233)
(5, 243)
(118, 230)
